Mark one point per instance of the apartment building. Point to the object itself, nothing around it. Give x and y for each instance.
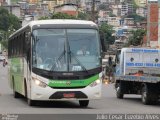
(59, 2)
(51, 4)
(129, 22)
(72, 1)
(70, 9)
(127, 8)
(3, 2)
(103, 14)
(33, 1)
(114, 21)
(141, 11)
(14, 9)
(116, 9)
(89, 4)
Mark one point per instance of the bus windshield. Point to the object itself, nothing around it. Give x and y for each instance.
(65, 49)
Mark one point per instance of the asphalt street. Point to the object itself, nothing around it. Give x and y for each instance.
(131, 104)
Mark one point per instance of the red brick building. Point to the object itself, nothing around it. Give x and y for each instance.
(70, 9)
(2, 2)
(152, 24)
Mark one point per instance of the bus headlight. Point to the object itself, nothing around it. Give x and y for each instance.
(95, 83)
(40, 83)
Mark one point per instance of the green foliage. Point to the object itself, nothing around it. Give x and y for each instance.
(137, 37)
(106, 32)
(135, 6)
(7, 20)
(4, 19)
(83, 16)
(112, 15)
(14, 21)
(8, 24)
(44, 18)
(62, 16)
(136, 17)
(102, 7)
(4, 44)
(58, 15)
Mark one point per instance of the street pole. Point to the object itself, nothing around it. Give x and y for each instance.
(93, 11)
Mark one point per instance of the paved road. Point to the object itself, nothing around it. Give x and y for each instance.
(108, 104)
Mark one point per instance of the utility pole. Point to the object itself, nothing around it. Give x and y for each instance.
(93, 11)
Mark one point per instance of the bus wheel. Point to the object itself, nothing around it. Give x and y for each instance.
(119, 92)
(148, 96)
(83, 103)
(145, 95)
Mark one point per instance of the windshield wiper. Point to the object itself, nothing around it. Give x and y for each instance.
(72, 54)
(59, 58)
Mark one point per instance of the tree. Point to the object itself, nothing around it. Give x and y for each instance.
(104, 7)
(43, 18)
(4, 19)
(8, 24)
(112, 15)
(106, 32)
(137, 37)
(7, 20)
(4, 44)
(14, 22)
(135, 6)
(83, 16)
(136, 17)
(60, 15)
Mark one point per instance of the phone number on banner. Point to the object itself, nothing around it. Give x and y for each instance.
(143, 64)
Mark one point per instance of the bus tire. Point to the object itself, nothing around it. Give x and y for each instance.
(145, 95)
(154, 99)
(83, 103)
(15, 94)
(119, 92)
(149, 97)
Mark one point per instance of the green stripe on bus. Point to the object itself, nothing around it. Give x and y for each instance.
(73, 83)
(16, 70)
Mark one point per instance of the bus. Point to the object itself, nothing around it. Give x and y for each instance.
(44, 64)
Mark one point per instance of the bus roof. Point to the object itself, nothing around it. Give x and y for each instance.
(68, 22)
(61, 21)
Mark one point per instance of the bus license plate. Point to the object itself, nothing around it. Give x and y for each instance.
(68, 95)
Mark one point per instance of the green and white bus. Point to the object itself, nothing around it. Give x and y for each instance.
(44, 64)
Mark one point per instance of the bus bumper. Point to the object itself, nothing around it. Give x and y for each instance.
(49, 94)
